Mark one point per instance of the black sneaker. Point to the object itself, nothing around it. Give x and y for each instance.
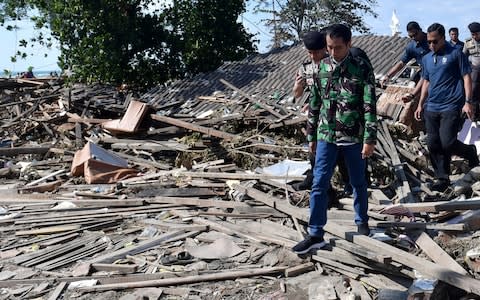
(473, 161)
(440, 185)
(308, 244)
(363, 229)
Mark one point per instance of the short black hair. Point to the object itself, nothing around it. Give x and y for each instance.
(455, 29)
(412, 25)
(438, 28)
(314, 40)
(339, 31)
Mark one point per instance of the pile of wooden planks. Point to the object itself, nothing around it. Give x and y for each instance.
(201, 219)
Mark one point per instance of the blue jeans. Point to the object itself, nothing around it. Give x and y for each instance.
(325, 161)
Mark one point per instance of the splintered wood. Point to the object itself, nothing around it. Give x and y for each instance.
(178, 202)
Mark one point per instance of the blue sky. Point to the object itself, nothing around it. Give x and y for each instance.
(452, 13)
(449, 13)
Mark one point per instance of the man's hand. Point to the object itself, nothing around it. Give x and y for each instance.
(383, 82)
(299, 85)
(418, 112)
(469, 110)
(367, 150)
(407, 97)
(305, 108)
(300, 80)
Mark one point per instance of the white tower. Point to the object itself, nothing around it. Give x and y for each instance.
(395, 24)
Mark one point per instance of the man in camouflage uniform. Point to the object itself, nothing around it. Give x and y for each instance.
(315, 44)
(341, 119)
(472, 49)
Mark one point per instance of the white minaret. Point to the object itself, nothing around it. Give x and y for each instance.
(395, 24)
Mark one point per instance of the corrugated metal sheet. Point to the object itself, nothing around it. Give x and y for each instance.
(264, 76)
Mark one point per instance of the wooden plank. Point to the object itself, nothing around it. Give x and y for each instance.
(436, 253)
(53, 174)
(23, 150)
(338, 265)
(300, 119)
(217, 226)
(206, 130)
(359, 289)
(141, 247)
(143, 162)
(473, 203)
(424, 266)
(300, 269)
(86, 121)
(405, 193)
(174, 129)
(240, 176)
(469, 219)
(197, 202)
(251, 99)
(228, 275)
(100, 213)
(73, 256)
(98, 225)
(379, 281)
(418, 225)
(47, 230)
(58, 291)
(150, 146)
(360, 251)
(174, 226)
(120, 268)
(281, 205)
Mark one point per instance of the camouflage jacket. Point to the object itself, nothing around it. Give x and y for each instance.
(342, 107)
(308, 71)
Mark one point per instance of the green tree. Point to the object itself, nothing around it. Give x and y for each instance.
(289, 19)
(124, 41)
(209, 32)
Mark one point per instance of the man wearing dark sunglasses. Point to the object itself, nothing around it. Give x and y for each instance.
(446, 93)
(416, 48)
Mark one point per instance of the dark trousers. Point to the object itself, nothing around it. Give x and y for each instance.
(442, 142)
(476, 84)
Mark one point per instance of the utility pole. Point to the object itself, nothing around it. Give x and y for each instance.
(276, 42)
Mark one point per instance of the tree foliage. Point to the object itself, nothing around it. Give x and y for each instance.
(209, 32)
(126, 41)
(291, 18)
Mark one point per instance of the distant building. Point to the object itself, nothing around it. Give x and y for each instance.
(395, 24)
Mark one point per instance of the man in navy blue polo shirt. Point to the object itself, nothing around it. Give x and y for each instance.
(416, 48)
(446, 93)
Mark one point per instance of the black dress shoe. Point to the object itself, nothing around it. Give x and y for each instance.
(473, 157)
